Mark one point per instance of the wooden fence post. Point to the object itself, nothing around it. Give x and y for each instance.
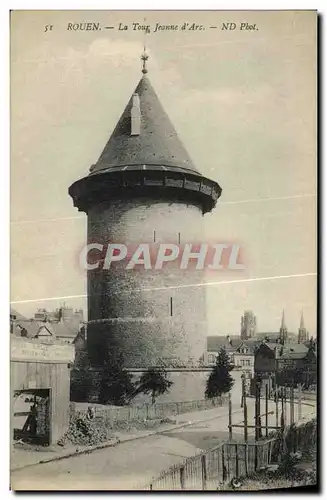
(267, 410)
(204, 472)
(283, 422)
(285, 406)
(223, 463)
(277, 402)
(182, 476)
(258, 432)
(257, 422)
(236, 461)
(246, 458)
(245, 410)
(230, 428)
(292, 405)
(299, 401)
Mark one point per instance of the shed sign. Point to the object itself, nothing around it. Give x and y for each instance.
(22, 350)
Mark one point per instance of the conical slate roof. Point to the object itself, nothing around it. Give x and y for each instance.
(144, 158)
(156, 147)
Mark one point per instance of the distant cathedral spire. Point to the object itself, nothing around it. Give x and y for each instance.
(303, 335)
(283, 320)
(283, 334)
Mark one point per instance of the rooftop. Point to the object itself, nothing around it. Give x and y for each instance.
(252, 344)
(215, 343)
(145, 157)
(157, 146)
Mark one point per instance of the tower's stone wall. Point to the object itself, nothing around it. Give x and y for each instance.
(148, 315)
(187, 386)
(145, 189)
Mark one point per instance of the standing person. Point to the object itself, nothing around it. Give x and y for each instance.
(31, 421)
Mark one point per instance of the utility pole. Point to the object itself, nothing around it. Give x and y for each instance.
(285, 406)
(245, 409)
(292, 403)
(267, 415)
(258, 433)
(257, 421)
(276, 400)
(230, 428)
(299, 401)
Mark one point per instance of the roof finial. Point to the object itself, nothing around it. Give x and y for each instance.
(144, 58)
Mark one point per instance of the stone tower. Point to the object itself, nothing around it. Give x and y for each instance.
(283, 333)
(248, 325)
(303, 335)
(144, 188)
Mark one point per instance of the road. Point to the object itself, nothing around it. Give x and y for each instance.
(133, 464)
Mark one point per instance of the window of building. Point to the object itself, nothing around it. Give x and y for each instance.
(211, 358)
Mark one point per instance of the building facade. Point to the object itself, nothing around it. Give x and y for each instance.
(244, 355)
(215, 343)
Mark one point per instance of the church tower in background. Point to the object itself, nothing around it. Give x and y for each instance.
(248, 325)
(283, 333)
(303, 335)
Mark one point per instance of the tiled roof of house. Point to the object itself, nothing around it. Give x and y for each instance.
(17, 315)
(64, 330)
(274, 336)
(251, 344)
(268, 345)
(31, 326)
(296, 351)
(81, 335)
(34, 327)
(215, 343)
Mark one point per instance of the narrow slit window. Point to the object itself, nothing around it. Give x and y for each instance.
(171, 306)
(179, 238)
(154, 236)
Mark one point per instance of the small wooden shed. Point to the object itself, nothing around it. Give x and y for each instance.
(40, 383)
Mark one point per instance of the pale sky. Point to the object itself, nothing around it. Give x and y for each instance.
(242, 102)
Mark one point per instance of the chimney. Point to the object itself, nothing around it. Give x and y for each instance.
(135, 115)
